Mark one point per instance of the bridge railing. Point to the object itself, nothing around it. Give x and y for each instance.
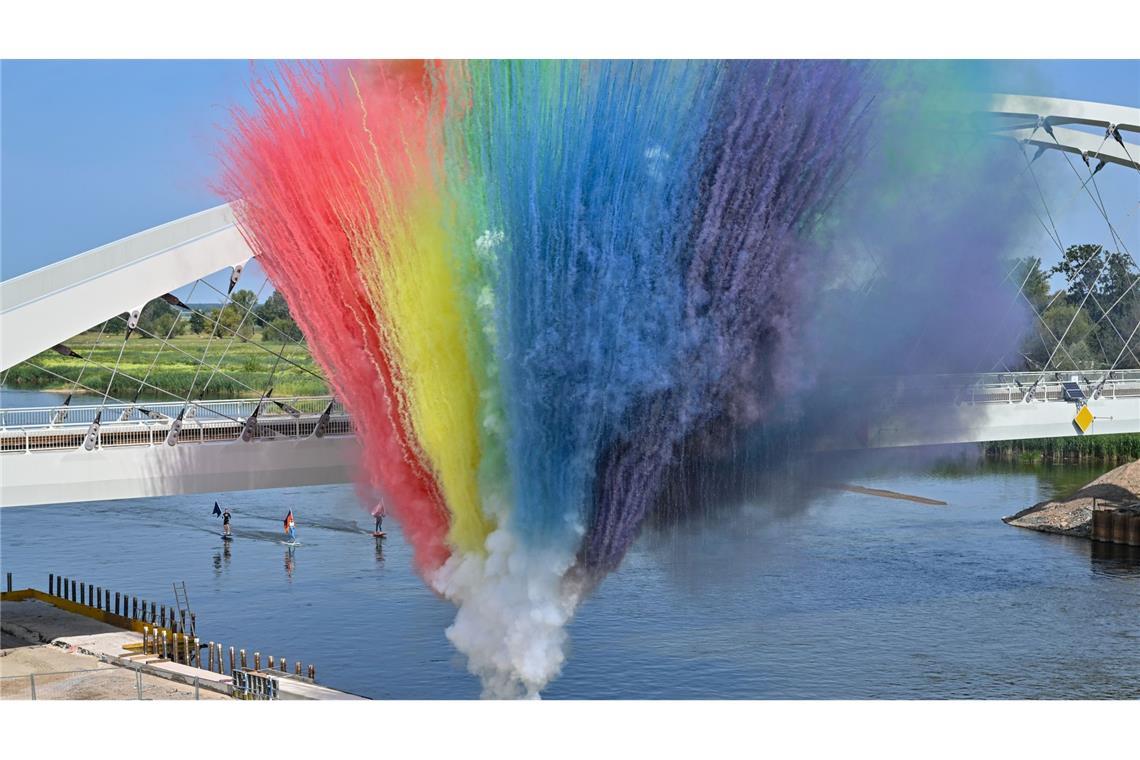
(1009, 387)
(45, 428)
(146, 411)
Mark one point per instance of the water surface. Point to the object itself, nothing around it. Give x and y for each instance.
(853, 596)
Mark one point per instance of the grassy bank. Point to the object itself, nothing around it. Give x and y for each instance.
(176, 369)
(1106, 448)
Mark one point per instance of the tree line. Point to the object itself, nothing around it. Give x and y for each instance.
(1097, 310)
(243, 315)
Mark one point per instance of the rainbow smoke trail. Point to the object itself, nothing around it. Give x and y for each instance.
(535, 285)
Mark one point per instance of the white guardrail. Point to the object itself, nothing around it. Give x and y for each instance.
(29, 429)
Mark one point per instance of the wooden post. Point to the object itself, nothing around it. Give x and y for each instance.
(257, 660)
(163, 619)
(284, 666)
(193, 624)
(91, 594)
(221, 668)
(270, 666)
(99, 597)
(243, 665)
(134, 607)
(182, 619)
(9, 580)
(73, 591)
(210, 658)
(153, 612)
(231, 660)
(83, 593)
(312, 672)
(298, 668)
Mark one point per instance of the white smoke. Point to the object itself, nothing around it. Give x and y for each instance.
(514, 605)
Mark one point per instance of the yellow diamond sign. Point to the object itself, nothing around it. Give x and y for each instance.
(1083, 419)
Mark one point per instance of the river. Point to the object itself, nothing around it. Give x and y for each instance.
(852, 596)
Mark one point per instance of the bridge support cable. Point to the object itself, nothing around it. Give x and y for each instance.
(229, 345)
(150, 386)
(267, 325)
(210, 340)
(87, 359)
(1055, 238)
(162, 344)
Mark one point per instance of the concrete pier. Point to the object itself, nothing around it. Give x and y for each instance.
(55, 639)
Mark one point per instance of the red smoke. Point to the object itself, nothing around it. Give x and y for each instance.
(302, 163)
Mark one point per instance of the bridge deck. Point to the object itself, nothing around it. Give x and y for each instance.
(46, 455)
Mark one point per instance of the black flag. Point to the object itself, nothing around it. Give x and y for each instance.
(217, 509)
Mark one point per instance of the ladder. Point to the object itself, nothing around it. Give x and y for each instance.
(182, 604)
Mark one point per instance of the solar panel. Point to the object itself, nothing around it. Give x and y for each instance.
(1073, 392)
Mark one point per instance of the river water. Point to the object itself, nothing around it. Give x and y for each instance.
(852, 596)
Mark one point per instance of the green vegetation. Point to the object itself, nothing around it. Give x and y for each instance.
(199, 341)
(1097, 282)
(1110, 448)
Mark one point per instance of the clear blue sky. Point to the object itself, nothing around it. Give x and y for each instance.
(91, 151)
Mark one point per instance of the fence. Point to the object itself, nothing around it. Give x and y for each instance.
(168, 633)
(100, 683)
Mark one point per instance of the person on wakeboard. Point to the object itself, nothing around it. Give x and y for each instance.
(226, 522)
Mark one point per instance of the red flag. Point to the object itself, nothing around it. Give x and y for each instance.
(289, 521)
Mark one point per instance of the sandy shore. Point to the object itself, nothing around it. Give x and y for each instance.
(33, 640)
(1072, 516)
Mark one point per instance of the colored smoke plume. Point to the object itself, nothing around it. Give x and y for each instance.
(555, 295)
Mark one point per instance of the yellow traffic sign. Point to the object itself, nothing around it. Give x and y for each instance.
(1084, 419)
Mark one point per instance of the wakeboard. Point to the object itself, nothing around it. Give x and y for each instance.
(227, 538)
(291, 543)
(378, 534)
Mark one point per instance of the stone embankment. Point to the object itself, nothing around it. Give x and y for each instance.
(1073, 515)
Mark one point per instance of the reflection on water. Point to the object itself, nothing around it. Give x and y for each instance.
(222, 559)
(289, 562)
(1115, 559)
(379, 551)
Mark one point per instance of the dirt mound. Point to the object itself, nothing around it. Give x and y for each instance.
(1072, 516)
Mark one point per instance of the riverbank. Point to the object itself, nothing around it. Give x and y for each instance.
(233, 369)
(1111, 449)
(1072, 515)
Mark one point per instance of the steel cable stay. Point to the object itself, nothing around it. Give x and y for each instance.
(150, 386)
(291, 341)
(229, 345)
(1105, 313)
(162, 344)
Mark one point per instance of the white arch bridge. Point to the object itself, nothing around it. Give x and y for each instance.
(173, 444)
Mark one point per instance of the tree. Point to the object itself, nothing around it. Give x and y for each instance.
(282, 328)
(274, 308)
(156, 319)
(234, 316)
(278, 320)
(1104, 285)
(1036, 281)
(1062, 316)
(198, 322)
